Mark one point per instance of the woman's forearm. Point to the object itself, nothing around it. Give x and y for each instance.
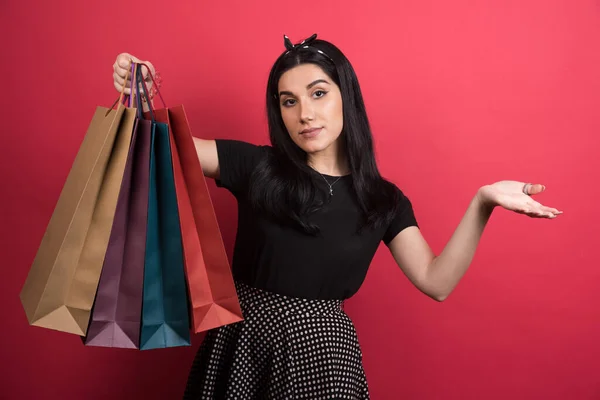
(447, 269)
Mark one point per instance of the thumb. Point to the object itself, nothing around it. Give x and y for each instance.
(536, 188)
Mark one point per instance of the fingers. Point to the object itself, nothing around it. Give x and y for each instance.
(544, 212)
(119, 87)
(550, 210)
(122, 70)
(124, 60)
(123, 64)
(538, 214)
(534, 209)
(119, 80)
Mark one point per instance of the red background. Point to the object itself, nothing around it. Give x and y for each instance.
(459, 93)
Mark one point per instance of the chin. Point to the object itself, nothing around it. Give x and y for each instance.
(314, 145)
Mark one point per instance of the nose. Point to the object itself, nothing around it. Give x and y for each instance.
(307, 111)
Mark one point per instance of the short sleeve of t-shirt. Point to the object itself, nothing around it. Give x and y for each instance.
(404, 218)
(237, 161)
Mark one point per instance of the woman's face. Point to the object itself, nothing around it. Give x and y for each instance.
(311, 108)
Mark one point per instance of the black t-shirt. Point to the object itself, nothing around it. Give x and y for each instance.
(284, 260)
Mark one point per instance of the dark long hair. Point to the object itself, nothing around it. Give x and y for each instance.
(283, 185)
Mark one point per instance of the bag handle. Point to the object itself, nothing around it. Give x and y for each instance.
(134, 82)
(155, 85)
(142, 84)
(138, 96)
(130, 98)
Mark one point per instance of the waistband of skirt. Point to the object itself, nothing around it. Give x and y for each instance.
(252, 298)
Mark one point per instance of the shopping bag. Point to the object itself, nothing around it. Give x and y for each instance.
(116, 315)
(165, 317)
(61, 284)
(211, 288)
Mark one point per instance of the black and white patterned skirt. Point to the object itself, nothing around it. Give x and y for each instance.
(286, 348)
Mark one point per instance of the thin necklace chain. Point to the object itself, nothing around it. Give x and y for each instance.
(330, 184)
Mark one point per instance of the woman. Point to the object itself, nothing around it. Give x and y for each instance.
(313, 209)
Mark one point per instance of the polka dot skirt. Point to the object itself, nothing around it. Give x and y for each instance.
(285, 348)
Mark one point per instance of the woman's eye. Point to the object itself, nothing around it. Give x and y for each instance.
(320, 93)
(289, 102)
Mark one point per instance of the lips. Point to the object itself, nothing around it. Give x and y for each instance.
(310, 132)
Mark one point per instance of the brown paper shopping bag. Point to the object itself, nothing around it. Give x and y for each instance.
(61, 285)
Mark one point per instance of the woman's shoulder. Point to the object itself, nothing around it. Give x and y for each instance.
(237, 161)
(400, 203)
(403, 216)
(396, 189)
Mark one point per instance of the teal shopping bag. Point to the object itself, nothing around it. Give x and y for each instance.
(165, 316)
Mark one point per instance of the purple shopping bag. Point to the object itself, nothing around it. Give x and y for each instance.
(117, 313)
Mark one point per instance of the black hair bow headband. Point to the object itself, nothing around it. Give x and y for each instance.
(305, 44)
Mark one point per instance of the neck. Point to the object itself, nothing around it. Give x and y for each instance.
(333, 163)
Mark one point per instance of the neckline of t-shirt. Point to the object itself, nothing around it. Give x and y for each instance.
(336, 176)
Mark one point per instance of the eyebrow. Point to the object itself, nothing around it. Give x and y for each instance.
(310, 85)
